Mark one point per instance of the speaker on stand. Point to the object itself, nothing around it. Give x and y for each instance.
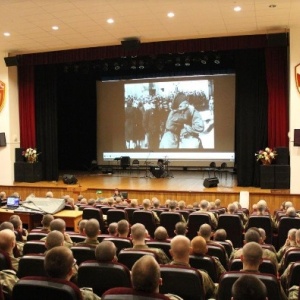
(69, 179)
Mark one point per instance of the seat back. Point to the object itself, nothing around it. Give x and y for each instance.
(291, 255)
(195, 220)
(220, 252)
(146, 218)
(103, 276)
(35, 236)
(165, 246)
(205, 262)
(169, 220)
(5, 261)
(284, 225)
(233, 227)
(77, 238)
(95, 213)
(262, 222)
(82, 254)
(294, 276)
(31, 247)
(184, 282)
(130, 294)
(129, 211)
(267, 266)
(31, 265)
(228, 247)
(115, 215)
(128, 257)
(120, 243)
(46, 288)
(228, 279)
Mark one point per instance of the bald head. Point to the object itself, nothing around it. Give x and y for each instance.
(145, 275)
(198, 244)
(47, 220)
(160, 233)
(7, 240)
(205, 231)
(138, 232)
(252, 254)
(54, 238)
(180, 248)
(58, 224)
(105, 251)
(92, 228)
(6, 225)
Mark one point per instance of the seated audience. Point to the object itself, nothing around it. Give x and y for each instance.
(220, 235)
(180, 228)
(204, 207)
(91, 231)
(147, 207)
(263, 237)
(59, 264)
(49, 194)
(81, 226)
(106, 252)
(138, 235)
(46, 220)
(7, 244)
(54, 238)
(180, 252)
(18, 249)
(290, 242)
(112, 229)
(249, 287)
(161, 234)
(173, 207)
(123, 229)
(199, 247)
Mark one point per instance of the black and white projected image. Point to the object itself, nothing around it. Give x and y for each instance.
(169, 115)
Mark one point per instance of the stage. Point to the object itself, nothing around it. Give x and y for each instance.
(179, 185)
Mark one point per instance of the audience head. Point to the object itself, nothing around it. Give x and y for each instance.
(59, 262)
(112, 228)
(231, 208)
(106, 251)
(9, 225)
(180, 228)
(49, 194)
(160, 234)
(253, 235)
(204, 205)
(138, 232)
(198, 245)
(2, 195)
(17, 223)
(288, 204)
(262, 234)
(173, 205)
(180, 248)
(133, 203)
(248, 287)
(252, 256)
(156, 203)
(205, 231)
(7, 240)
(291, 212)
(123, 228)
(146, 204)
(145, 275)
(46, 220)
(292, 236)
(181, 205)
(217, 203)
(91, 201)
(58, 224)
(220, 235)
(54, 238)
(81, 226)
(92, 228)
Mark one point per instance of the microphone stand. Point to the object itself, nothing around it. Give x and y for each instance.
(146, 164)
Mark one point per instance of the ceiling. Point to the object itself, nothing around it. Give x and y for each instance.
(82, 23)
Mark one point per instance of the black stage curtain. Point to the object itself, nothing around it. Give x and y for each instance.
(46, 119)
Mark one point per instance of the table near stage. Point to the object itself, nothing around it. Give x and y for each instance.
(32, 220)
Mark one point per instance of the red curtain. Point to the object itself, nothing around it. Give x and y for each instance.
(276, 70)
(27, 106)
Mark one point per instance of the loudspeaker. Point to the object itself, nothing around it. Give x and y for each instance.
(69, 179)
(267, 176)
(282, 177)
(11, 61)
(211, 182)
(18, 155)
(125, 162)
(283, 156)
(131, 44)
(107, 170)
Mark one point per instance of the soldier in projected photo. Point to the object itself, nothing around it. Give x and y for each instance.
(183, 126)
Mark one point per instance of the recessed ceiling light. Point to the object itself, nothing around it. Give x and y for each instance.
(110, 21)
(171, 14)
(6, 34)
(237, 8)
(55, 27)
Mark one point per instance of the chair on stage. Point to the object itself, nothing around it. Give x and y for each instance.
(182, 281)
(135, 165)
(102, 276)
(46, 288)
(212, 168)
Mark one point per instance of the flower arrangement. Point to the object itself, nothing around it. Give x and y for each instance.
(31, 155)
(266, 156)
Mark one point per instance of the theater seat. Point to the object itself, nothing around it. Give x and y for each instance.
(31, 247)
(5, 262)
(131, 294)
(31, 265)
(129, 257)
(45, 288)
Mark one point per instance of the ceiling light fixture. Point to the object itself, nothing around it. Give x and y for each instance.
(110, 21)
(237, 8)
(170, 14)
(6, 34)
(55, 27)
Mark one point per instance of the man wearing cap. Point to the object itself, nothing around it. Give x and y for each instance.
(183, 126)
